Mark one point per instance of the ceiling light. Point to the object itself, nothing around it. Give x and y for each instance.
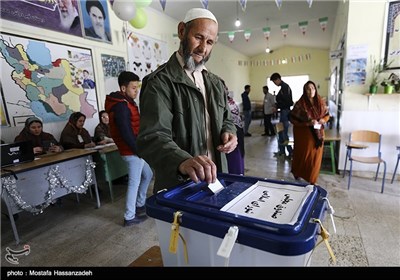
(237, 22)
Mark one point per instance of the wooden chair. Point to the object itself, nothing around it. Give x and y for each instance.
(367, 140)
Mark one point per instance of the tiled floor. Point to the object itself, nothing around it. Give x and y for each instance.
(367, 222)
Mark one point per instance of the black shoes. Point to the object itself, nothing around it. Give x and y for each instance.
(267, 134)
(247, 134)
(140, 217)
(141, 211)
(134, 221)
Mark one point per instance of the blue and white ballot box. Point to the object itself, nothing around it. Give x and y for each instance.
(250, 222)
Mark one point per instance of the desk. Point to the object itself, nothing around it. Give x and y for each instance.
(331, 137)
(110, 166)
(34, 185)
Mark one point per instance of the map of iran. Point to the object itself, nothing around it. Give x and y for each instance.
(44, 79)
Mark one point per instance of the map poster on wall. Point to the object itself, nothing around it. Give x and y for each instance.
(45, 79)
(145, 54)
(112, 66)
(57, 15)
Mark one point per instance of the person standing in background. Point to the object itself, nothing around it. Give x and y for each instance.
(246, 109)
(186, 126)
(74, 135)
(284, 101)
(124, 128)
(269, 109)
(236, 157)
(309, 115)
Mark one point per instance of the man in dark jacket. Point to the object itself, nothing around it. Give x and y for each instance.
(186, 127)
(246, 109)
(284, 101)
(124, 128)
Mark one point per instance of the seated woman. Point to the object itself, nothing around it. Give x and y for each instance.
(102, 131)
(74, 135)
(42, 141)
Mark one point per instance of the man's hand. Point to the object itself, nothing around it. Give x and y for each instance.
(229, 143)
(199, 168)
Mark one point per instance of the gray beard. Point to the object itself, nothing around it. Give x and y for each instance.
(190, 63)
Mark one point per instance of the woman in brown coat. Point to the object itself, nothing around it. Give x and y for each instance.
(308, 117)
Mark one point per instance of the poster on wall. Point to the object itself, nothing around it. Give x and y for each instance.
(392, 50)
(356, 63)
(45, 79)
(96, 20)
(112, 66)
(145, 54)
(57, 15)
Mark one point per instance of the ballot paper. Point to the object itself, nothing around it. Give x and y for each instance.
(216, 187)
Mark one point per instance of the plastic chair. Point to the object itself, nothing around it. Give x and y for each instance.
(397, 164)
(363, 139)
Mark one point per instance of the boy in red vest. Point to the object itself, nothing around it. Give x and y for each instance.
(124, 128)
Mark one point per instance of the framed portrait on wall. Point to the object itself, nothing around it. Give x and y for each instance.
(392, 44)
(96, 20)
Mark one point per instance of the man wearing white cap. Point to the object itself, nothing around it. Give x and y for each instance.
(186, 128)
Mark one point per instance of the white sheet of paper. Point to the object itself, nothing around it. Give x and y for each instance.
(216, 187)
(317, 126)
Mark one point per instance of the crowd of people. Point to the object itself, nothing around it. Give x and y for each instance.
(180, 144)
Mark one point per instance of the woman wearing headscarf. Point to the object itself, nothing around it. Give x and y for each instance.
(308, 116)
(235, 158)
(74, 135)
(42, 142)
(102, 134)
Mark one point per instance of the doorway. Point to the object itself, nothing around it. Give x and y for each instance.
(296, 83)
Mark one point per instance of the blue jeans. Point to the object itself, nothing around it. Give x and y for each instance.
(247, 121)
(284, 135)
(140, 175)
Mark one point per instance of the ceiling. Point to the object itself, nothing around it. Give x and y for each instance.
(262, 13)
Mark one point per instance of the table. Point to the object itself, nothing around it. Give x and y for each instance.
(110, 166)
(331, 137)
(34, 185)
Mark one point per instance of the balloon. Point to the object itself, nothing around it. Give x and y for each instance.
(124, 10)
(142, 3)
(140, 20)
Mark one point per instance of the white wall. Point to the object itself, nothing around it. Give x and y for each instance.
(223, 61)
(379, 112)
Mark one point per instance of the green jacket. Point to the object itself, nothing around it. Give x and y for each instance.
(172, 121)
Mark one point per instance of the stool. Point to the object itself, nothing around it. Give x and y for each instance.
(331, 137)
(397, 164)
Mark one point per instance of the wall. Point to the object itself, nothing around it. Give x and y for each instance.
(317, 67)
(223, 61)
(380, 112)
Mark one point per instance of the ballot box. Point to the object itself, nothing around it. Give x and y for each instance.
(249, 222)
